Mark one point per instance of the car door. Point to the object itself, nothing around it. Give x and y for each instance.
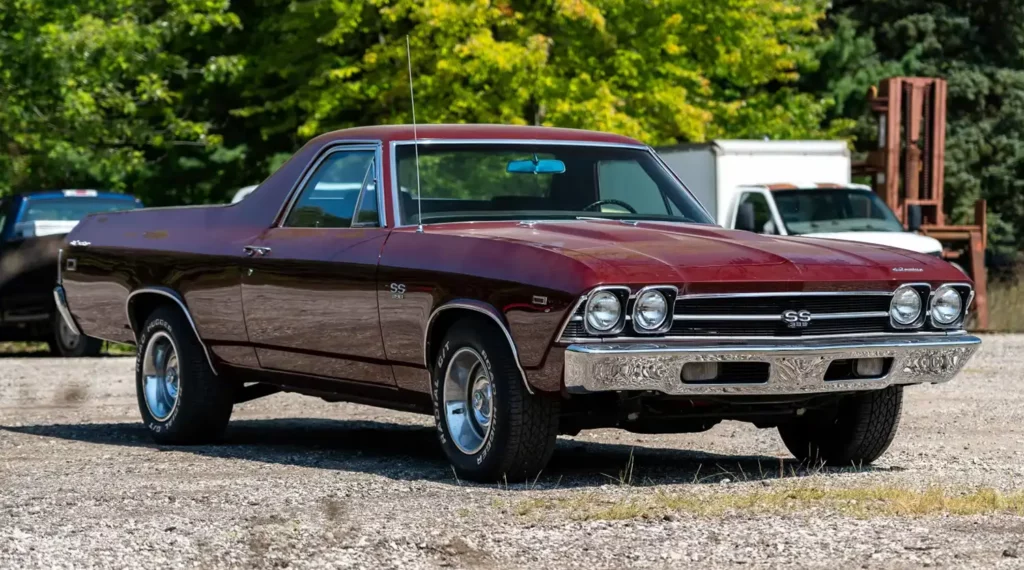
(309, 289)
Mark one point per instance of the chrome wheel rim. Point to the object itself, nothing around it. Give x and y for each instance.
(160, 376)
(468, 400)
(68, 339)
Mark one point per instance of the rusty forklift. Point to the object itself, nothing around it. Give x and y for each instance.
(907, 172)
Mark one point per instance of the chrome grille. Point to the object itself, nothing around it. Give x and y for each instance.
(750, 315)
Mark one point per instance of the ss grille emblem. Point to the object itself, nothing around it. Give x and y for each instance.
(796, 319)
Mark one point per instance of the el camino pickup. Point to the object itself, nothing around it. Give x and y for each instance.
(517, 283)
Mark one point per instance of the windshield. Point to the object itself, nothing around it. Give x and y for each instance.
(70, 209)
(507, 181)
(821, 210)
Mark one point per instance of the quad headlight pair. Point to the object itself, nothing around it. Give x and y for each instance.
(651, 312)
(945, 308)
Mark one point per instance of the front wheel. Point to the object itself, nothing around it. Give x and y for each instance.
(69, 344)
(855, 431)
(181, 400)
(490, 427)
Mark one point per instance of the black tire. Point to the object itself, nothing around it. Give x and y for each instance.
(204, 401)
(524, 427)
(856, 431)
(63, 342)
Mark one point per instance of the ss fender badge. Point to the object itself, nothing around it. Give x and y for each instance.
(907, 269)
(397, 290)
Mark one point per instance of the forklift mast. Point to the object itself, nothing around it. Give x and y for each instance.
(908, 173)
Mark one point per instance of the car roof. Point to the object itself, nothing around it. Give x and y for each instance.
(388, 133)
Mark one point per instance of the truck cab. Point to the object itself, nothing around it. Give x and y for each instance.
(32, 227)
(738, 182)
(848, 212)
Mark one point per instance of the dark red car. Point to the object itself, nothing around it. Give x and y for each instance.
(548, 281)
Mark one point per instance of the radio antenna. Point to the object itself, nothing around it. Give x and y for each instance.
(415, 141)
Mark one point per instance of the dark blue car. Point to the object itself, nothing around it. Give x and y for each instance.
(32, 227)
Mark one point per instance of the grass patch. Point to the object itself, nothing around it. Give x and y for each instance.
(1006, 306)
(41, 348)
(861, 502)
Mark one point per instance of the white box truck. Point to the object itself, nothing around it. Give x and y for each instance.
(790, 188)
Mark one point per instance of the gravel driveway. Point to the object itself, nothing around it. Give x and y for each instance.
(301, 483)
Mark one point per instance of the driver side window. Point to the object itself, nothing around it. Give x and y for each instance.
(626, 181)
(763, 223)
(341, 184)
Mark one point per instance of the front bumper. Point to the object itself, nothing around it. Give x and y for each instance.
(795, 366)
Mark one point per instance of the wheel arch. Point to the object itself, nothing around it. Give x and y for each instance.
(144, 300)
(445, 315)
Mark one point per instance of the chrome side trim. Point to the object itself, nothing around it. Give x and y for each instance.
(60, 266)
(794, 367)
(296, 189)
(173, 296)
(490, 313)
(60, 298)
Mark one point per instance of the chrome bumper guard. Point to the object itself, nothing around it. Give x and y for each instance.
(795, 367)
(62, 307)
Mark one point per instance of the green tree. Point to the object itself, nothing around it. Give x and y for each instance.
(662, 71)
(92, 95)
(978, 46)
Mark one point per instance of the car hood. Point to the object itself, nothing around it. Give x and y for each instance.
(661, 252)
(900, 240)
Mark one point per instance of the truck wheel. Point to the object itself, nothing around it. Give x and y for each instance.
(490, 427)
(181, 400)
(66, 343)
(855, 432)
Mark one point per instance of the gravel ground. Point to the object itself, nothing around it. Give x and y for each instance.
(301, 483)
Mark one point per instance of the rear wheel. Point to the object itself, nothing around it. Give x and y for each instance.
(69, 344)
(856, 431)
(181, 400)
(490, 427)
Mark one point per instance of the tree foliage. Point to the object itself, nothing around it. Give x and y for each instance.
(184, 101)
(95, 93)
(978, 46)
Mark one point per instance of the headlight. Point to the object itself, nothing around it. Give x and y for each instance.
(650, 311)
(603, 311)
(946, 306)
(905, 308)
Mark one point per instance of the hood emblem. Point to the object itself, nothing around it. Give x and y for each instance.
(796, 319)
(907, 269)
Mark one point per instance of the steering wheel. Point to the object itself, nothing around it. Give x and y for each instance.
(610, 201)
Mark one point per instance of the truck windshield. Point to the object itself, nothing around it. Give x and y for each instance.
(70, 209)
(821, 210)
(537, 181)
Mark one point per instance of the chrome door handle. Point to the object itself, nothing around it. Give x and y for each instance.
(255, 249)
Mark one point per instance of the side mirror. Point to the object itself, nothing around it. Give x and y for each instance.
(914, 217)
(745, 217)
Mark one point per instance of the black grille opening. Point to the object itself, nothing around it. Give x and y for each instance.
(738, 373)
(776, 305)
(779, 328)
(846, 369)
